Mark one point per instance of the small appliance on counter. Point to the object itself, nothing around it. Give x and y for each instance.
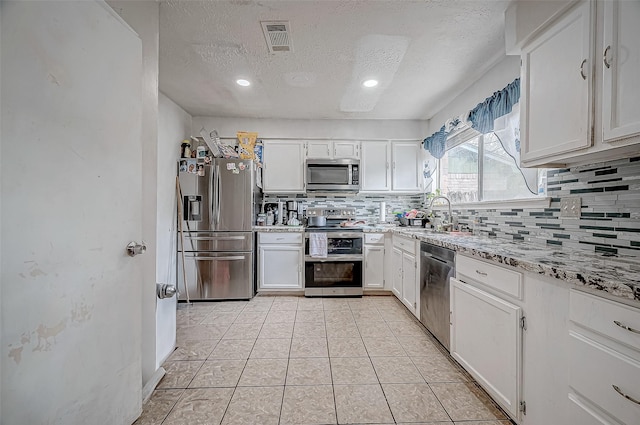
(292, 213)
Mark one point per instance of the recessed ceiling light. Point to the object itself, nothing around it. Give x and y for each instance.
(370, 83)
(243, 83)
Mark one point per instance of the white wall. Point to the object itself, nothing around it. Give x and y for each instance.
(503, 73)
(174, 125)
(143, 17)
(315, 129)
(524, 18)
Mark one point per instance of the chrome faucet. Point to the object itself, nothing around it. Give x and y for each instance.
(445, 225)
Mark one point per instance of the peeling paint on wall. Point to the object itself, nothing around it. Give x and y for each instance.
(16, 353)
(81, 312)
(45, 334)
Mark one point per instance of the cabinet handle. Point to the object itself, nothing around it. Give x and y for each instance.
(604, 57)
(619, 391)
(481, 273)
(626, 327)
(582, 74)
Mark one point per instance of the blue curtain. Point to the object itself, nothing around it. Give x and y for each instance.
(435, 143)
(500, 103)
(481, 117)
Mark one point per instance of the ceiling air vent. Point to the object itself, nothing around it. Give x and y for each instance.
(277, 35)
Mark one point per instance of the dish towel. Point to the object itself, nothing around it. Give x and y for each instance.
(318, 245)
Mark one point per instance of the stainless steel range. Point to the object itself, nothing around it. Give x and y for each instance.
(336, 270)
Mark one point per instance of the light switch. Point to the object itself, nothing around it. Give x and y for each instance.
(570, 207)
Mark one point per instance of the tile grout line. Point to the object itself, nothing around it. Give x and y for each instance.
(226, 409)
(183, 390)
(286, 372)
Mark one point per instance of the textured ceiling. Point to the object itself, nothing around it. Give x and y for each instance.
(422, 52)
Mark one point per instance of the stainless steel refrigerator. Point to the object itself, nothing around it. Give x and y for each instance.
(218, 206)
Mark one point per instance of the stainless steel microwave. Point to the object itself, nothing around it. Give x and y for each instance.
(333, 175)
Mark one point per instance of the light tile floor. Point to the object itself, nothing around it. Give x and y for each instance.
(294, 360)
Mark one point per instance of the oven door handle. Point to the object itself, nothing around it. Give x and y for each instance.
(335, 235)
(334, 259)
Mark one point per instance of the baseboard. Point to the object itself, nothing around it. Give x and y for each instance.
(152, 383)
(297, 293)
(377, 292)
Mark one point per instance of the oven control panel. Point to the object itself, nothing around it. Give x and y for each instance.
(341, 213)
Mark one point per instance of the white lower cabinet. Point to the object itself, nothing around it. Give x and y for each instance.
(405, 272)
(374, 261)
(486, 341)
(280, 261)
(509, 330)
(604, 372)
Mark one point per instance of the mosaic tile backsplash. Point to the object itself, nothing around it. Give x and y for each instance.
(609, 220)
(610, 215)
(367, 206)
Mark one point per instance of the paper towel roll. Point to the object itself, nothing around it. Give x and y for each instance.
(383, 212)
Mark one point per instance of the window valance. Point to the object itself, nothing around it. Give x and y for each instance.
(481, 118)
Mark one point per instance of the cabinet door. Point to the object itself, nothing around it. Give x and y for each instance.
(283, 167)
(409, 283)
(396, 282)
(557, 87)
(279, 267)
(375, 167)
(346, 150)
(319, 150)
(486, 340)
(621, 64)
(405, 170)
(373, 267)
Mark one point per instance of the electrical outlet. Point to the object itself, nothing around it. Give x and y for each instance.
(570, 207)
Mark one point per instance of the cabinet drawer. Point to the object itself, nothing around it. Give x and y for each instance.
(405, 244)
(374, 238)
(595, 369)
(612, 319)
(582, 414)
(506, 281)
(280, 238)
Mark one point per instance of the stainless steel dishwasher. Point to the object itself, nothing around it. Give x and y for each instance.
(437, 265)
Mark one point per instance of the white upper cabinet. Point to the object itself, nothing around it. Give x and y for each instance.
(375, 167)
(406, 171)
(580, 85)
(557, 87)
(346, 150)
(621, 70)
(283, 167)
(319, 149)
(391, 166)
(329, 149)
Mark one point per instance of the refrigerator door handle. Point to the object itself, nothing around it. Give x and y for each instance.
(217, 196)
(210, 198)
(216, 238)
(231, 258)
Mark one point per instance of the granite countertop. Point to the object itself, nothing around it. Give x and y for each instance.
(278, 228)
(616, 275)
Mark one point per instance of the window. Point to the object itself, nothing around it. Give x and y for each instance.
(481, 170)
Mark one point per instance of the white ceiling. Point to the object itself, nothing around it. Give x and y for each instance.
(422, 52)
